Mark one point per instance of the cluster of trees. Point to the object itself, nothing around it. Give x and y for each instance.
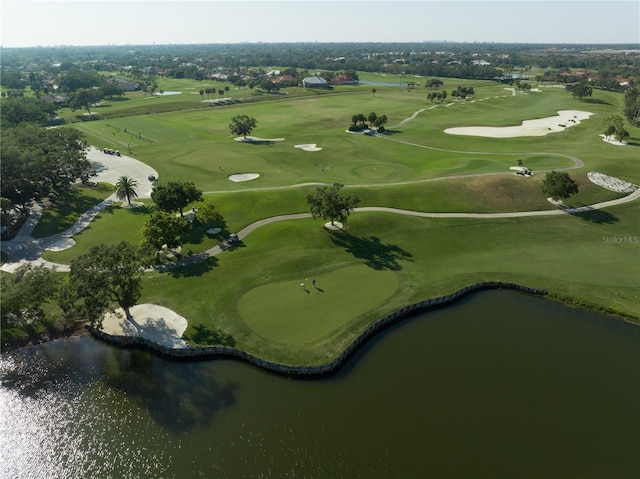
(167, 229)
(580, 90)
(37, 161)
(632, 104)
(359, 121)
(433, 83)
(522, 85)
(213, 91)
(615, 128)
(37, 298)
(463, 92)
(437, 96)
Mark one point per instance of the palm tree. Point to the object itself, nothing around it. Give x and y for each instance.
(126, 188)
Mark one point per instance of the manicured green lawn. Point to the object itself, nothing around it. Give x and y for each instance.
(385, 261)
(68, 207)
(252, 292)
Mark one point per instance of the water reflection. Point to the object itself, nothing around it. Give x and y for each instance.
(177, 396)
(499, 385)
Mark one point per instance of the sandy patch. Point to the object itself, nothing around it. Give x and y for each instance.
(611, 183)
(612, 141)
(150, 321)
(256, 139)
(61, 245)
(237, 178)
(308, 147)
(334, 227)
(538, 127)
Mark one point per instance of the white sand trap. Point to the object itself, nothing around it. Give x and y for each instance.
(537, 127)
(308, 147)
(611, 140)
(155, 323)
(256, 139)
(611, 183)
(61, 245)
(237, 178)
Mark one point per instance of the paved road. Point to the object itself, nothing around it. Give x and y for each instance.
(24, 248)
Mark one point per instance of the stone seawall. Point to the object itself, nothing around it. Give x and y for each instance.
(323, 369)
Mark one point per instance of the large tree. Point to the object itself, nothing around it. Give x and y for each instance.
(175, 196)
(558, 185)
(615, 127)
(632, 105)
(209, 215)
(36, 160)
(328, 203)
(164, 230)
(84, 99)
(579, 90)
(126, 187)
(16, 110)
(25, 292)
(107, 275)
(242, 125)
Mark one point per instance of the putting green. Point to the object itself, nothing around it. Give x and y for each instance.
(285, 313)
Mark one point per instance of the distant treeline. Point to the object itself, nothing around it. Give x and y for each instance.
(458, 60)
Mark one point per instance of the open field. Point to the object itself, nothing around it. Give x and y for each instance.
(383, 261)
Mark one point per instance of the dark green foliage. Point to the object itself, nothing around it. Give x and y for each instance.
(164, 230)
(329, 204)
(107, 274)
(632, 105)
(175, 196)
(579, 90)
(241, 124)
(16, 110)
(36, 160)
(24, 293)
(558, 185)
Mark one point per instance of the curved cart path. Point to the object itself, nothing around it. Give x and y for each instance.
(26, 249)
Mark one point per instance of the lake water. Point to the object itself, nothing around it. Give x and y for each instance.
(381, 83)
(500, 385)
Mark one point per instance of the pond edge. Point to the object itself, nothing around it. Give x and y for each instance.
(204, 352)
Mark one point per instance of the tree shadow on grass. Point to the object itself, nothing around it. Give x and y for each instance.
(206, 336)
(596, 100)
(195, 265)
(390, 132)
(375, 254)
(598, 216)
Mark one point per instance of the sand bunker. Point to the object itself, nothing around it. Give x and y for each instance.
(61, 245)
(255, 139)
(243, 177)
(611, 183)
(155, 323)
(308, 147)
(611, 140)
(538, 127)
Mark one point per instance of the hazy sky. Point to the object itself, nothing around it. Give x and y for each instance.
(88, 22)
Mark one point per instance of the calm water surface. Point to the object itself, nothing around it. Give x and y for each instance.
(501, 385)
